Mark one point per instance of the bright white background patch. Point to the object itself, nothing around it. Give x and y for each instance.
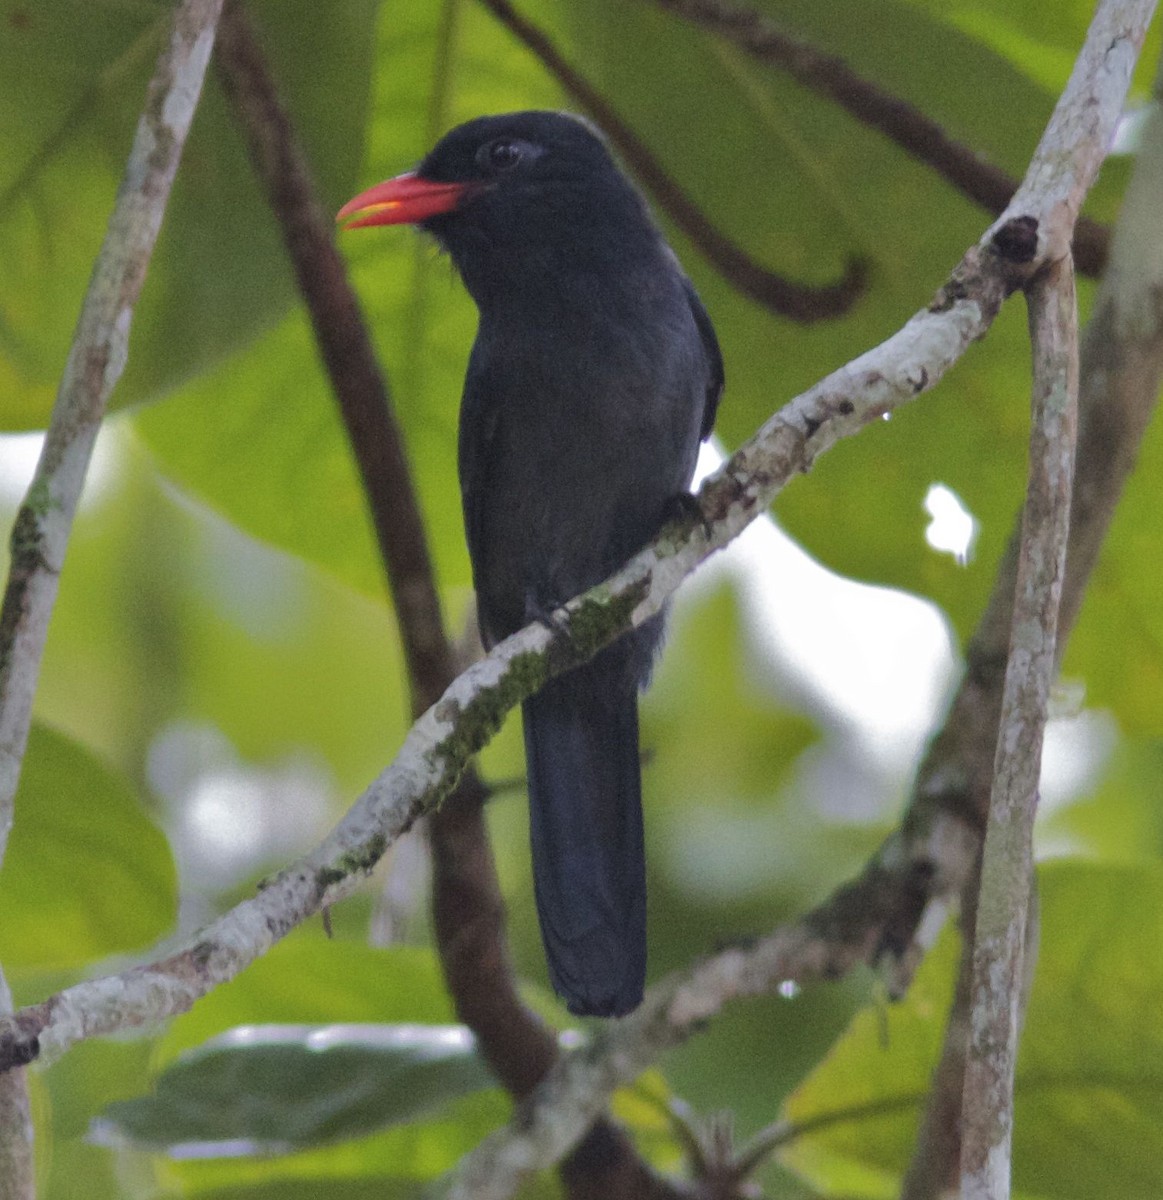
(952, 527)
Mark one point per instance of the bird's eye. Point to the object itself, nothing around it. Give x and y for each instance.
(501, 155)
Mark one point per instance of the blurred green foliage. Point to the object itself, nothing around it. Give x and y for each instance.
(223, 675)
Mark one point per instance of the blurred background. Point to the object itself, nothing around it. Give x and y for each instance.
(223, 675)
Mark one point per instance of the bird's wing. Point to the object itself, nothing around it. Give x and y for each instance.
(479, 418)
(716, 379)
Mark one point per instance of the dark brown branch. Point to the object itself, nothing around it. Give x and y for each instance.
(829, 75)
(468, 911)
(347, 353)
(796, 301)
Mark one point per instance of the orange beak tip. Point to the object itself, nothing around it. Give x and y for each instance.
(405, 200)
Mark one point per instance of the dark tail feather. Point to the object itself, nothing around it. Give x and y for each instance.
(585, 822)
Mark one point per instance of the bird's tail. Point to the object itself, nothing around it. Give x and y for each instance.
(585, 821)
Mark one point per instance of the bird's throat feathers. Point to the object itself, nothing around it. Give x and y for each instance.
(551, 249)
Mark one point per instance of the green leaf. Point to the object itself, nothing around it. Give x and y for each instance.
(1117, 647)
(310, 979)
(1089, 1109)
(322, 1189)
(259, 1089)
(87, 872)
(1040, 39)
(72, 81)
(1121, 820)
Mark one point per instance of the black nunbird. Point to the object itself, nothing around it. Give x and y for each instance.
(594, 375)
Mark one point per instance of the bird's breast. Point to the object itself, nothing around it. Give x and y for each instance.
(587, 425)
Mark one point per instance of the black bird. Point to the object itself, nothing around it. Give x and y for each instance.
(594, 375)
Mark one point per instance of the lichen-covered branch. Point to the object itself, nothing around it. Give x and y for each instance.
(470, 711)
(1121, 372)
(935, 851)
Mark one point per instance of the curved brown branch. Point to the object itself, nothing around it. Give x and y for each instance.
(468, 911)
(346, 350)
(922, 137)
(796, 301)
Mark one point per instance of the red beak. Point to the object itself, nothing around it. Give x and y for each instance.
(403, 201)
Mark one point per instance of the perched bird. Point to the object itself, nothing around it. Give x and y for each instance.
(594, 375)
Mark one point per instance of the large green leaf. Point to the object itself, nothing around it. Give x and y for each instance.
(1121, 820)
(1089, 1109)
(310, 979)
(1039, 38)
(276, 1088)
(72, 81)
(87, 873)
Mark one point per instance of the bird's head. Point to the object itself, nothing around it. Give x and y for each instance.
(505, 189)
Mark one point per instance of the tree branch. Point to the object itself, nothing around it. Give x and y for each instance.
(438, 746)
(345, 347)
(44, 520)
(933, 1170)
(830, 76)
(17, 1165)
(796, 301)
(1008, 857)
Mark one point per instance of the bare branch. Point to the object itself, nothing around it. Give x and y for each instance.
(934, 1169)
(44, 520)
(17, 1165)
(344, 345)
(922, 137)
(796, 301)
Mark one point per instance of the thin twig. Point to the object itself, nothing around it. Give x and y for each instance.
(933, 1170)
(17, 1165)
(922, 137)
(468, 912)
(796, 301)
(1008, 858)
(40, 533)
